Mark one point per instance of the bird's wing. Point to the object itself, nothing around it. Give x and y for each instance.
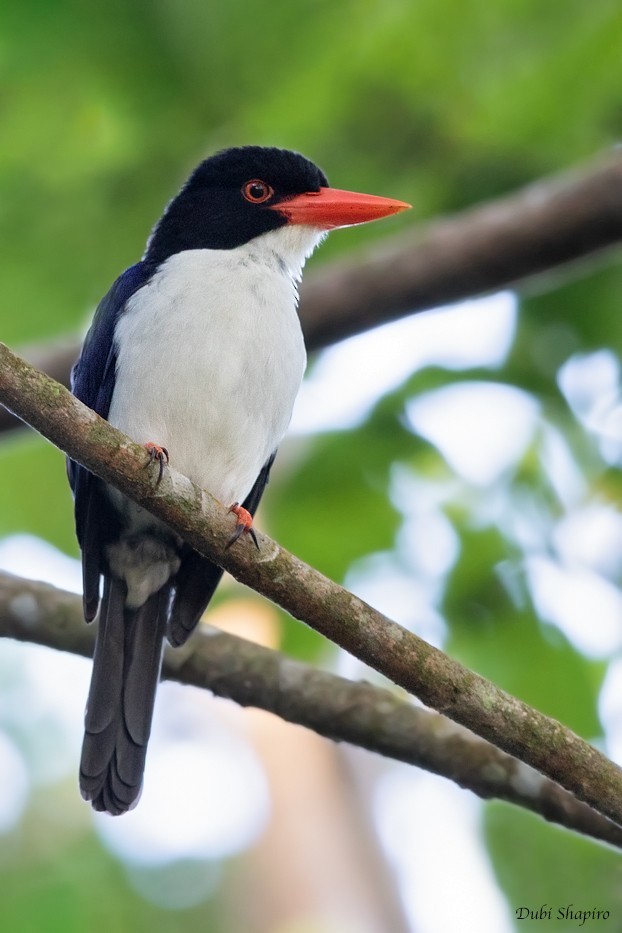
(92, 381)
(198, 577)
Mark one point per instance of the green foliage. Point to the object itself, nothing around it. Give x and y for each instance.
(66, 891)
(104, 109)
(40, 502)
(539, 864)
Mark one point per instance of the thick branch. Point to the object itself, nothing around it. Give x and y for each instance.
(547, 224)
(407, 660)
(359, 713)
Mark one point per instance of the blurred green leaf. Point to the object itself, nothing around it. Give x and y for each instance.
(37, 499)
(64, 892)
(539, 864)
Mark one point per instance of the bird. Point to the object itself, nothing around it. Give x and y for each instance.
(196, 352)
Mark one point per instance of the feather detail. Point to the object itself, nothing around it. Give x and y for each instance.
(126, 670)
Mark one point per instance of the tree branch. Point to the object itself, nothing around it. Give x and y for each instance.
(544, 225)
(407, 660)
(494, 245)
(359, 713)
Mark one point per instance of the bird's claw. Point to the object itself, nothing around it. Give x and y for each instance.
(244, 525)
(157, 453)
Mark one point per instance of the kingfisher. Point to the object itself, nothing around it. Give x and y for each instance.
(197, 353)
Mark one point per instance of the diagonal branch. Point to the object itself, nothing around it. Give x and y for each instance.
(362, 714)
(407, 660)
(491, 246)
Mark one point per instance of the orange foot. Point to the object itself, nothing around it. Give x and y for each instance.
(244, 525)
(156, 453)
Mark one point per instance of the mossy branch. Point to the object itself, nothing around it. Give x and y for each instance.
(360, 713)
(439, 681)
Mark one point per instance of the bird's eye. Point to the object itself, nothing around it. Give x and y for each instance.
(257, 191)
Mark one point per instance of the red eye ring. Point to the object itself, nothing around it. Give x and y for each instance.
(257, 191)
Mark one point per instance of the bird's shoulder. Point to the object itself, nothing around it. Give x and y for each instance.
(92, 377)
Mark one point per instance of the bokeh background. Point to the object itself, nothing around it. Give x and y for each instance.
(475, 450)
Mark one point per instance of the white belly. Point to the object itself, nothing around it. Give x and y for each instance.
(210, 357)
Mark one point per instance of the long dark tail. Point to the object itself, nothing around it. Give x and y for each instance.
(126, 670)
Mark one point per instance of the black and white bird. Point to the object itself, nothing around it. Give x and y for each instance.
(197, 353)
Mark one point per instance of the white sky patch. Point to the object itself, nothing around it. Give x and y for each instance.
(592, 536)
(591, 384)
(586, 607)
(427, 541)
(46, 707)
(587, 379)
(349, 377)
(480, 428)
(429, 544)
(430, 831)
(36, 559)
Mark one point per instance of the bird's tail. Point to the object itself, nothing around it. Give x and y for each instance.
(126, 670)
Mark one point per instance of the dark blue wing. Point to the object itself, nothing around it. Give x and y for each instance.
(92, 381)
(92, 378)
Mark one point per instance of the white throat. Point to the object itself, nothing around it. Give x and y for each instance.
(210, 357)
(289, 246)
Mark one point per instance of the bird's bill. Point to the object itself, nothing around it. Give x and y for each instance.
(330, 207)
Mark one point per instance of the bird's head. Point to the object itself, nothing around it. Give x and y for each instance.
(240, 194)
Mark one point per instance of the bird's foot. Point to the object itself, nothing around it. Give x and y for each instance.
(156, 453)
(244, 525)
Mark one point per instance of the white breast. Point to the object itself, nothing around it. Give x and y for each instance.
(210, 357)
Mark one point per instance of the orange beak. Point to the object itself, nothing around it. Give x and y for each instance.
(329, 208)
